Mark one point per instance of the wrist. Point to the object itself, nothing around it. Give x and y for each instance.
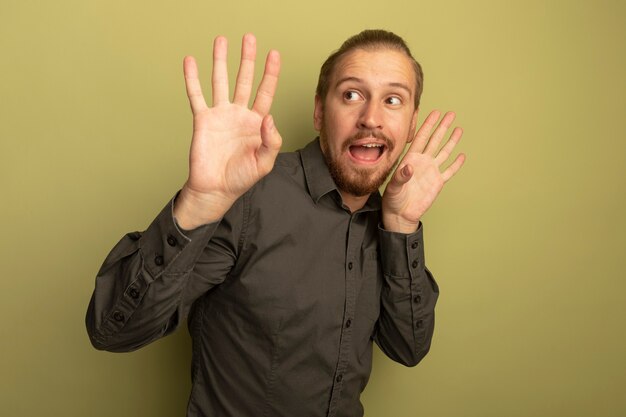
(193, 209)
(397, 224)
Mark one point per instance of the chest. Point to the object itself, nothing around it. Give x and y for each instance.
(311, 271)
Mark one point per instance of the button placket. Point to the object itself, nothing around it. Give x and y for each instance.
(355, 239)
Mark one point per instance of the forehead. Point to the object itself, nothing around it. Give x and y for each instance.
(378, 67)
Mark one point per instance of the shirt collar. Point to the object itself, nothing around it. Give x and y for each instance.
(318, 179)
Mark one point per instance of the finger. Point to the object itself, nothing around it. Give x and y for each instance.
(435, 139)
(447, 149)
(245, 76)
(423, 133)
(453, 168)
(267, 87)
(220, 71)
(270, 145)
(192, 85)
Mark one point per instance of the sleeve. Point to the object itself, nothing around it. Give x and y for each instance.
(148, 282)
(408, 297)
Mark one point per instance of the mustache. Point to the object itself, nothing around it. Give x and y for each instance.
(368, 133)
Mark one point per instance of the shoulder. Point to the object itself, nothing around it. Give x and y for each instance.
(284, 184)
(288, 160)
(288, 166)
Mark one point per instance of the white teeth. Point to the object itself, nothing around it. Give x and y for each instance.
(372, 145)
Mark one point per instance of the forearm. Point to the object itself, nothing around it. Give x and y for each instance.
(138, 293)
(408, 298)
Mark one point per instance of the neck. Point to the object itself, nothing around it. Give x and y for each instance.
(354, 203)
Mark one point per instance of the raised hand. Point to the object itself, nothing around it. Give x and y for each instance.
(232, 146)
(419, 178)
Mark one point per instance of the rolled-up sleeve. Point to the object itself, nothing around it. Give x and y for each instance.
(408, 298)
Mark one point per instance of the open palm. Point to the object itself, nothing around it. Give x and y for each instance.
(233, 146)
(419, 178)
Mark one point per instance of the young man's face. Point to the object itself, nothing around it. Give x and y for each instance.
(367, 117)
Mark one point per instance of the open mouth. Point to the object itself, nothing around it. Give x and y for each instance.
(367, 152)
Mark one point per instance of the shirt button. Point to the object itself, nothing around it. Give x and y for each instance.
(133, 293)
(158, 260)
(419, 324)
(417, 299)
(415, 263)
(350, 266)
(118, 316)
(414, 245)
(339, 378)
(171, 240)
(348, 323)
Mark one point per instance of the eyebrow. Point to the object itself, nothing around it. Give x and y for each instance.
(358, 80)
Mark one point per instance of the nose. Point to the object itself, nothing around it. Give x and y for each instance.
(371, 116)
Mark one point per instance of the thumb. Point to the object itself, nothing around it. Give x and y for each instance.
(270, 145)
(402, 175)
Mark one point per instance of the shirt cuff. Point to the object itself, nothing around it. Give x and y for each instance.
(402, 255)
(165, 246)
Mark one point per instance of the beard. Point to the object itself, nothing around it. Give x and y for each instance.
(358, 182)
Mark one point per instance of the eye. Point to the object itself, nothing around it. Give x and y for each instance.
(394, 101)
(351, 95)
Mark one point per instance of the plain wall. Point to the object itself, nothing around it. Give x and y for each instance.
(527, 242)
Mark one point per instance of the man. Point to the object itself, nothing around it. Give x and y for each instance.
(288, 267)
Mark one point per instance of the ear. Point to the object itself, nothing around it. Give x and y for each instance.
(318, 113)
(413, 126)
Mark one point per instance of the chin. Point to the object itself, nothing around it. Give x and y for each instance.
(358, 182)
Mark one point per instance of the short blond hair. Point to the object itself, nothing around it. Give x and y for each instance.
(370, 39)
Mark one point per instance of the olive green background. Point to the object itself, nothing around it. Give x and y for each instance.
(527, 242)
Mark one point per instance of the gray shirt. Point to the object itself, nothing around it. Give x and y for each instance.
(284, 296)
